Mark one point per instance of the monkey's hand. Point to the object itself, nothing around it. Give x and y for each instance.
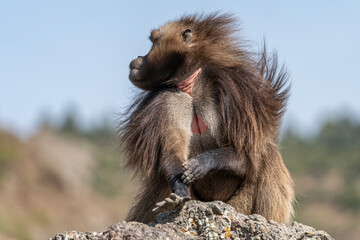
(195, 168)
(171, 203)
(215, 159)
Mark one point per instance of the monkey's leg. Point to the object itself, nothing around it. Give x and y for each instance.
(243, 199)
(216, 159)
(275, 195)
(149, 193)
(175, 141)
(176, 146)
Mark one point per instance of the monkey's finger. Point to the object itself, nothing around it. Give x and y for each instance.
(174, 196)
(159, 209)
(187, 180)
(185, 176)
(160, 204)
(188, 174)
(165, 205)
(192, 169)
(189, 164)
(193, 176)
(169, 200)
(177, 202)
(181, 201)
(187, 198)
(178, 199)
(190, 177)
(156, 209)
(185, 166)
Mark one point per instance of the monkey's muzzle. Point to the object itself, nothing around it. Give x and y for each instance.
(138, 69)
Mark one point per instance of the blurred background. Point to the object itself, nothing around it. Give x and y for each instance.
(64, 83)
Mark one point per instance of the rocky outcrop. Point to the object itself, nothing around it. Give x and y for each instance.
(199, 220)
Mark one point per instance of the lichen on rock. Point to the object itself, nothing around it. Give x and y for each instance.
(202, 220)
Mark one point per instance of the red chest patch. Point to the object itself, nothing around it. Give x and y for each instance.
(198, 126)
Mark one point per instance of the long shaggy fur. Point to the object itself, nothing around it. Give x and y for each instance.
(250, 92)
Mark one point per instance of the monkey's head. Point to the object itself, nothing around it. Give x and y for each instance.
(180, 48)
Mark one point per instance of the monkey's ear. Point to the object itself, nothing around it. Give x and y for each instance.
(187, 35)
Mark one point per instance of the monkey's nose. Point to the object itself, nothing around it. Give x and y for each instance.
(137, 63)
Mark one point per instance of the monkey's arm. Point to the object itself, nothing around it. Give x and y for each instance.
(174, 173)
(216, 159)
(174, 154)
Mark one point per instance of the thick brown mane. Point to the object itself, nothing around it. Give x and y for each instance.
(140, 135)
(250, 91)
(251, 105)
(206, 125)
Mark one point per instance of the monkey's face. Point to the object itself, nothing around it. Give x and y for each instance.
(168, 55)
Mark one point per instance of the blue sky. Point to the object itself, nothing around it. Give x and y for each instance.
(54, 54)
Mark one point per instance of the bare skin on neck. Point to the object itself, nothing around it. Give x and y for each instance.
(198, 126)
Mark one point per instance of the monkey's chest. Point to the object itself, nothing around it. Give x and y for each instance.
(198, 126)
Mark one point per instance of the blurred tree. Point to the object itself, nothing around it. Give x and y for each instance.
(335, 147)
(70, 121)
(9, 151)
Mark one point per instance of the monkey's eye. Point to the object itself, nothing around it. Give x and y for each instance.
(187, 35)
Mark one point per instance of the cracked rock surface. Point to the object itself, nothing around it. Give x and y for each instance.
(201, 220)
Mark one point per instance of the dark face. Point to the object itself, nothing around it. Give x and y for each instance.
(167, 55)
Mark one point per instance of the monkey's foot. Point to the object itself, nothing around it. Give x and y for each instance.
(193, 169)
(171, 203)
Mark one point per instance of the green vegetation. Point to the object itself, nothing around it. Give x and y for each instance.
(40, 217)
(106, 178)
(102, 132)
(20, 230)
(9, 148)
(16, 228)
(349, 198)
(335, 147)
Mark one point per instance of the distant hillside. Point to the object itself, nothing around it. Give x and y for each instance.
(50, 182)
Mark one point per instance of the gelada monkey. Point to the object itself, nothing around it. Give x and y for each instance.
(206, 124)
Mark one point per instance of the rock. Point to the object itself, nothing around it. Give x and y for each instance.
(202, 220)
